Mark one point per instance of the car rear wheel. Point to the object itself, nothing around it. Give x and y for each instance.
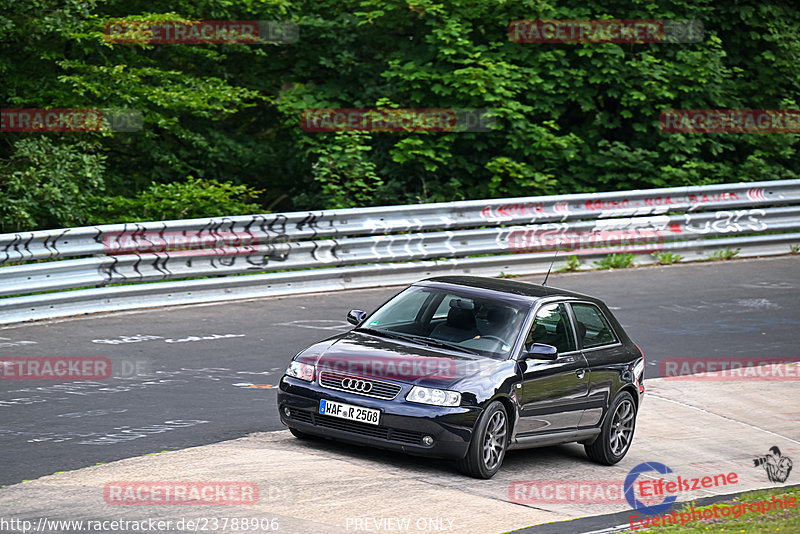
(489, 442)
(617, 432)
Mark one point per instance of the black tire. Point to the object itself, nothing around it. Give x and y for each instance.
(616, 435)
(489, 443)
(300, 435)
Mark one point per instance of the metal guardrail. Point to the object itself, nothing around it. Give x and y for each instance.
(337, 249)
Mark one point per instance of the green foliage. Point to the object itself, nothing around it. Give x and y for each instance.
(569, 118)
(794, 249)
(572, 264)
(615, 261)
(722, 254)
(667, 258)
(776, 519)
(516, 178)
(190, 199)
(46, 185)
(347, 177)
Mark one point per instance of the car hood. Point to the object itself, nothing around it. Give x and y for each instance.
(361, 354)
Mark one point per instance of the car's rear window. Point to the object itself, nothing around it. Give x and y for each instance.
(594, 326)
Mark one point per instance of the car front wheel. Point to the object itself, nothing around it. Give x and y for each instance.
(299, 434)
(617, 432)
(488, 445)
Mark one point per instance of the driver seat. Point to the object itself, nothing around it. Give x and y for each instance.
(460, 325)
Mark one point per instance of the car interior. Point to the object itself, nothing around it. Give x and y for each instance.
(485, 326)
(481, 325)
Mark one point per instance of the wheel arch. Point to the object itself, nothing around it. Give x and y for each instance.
(632, 390)
(627, 387)
(511, 411)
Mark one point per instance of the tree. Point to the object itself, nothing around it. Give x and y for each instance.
(567, 117)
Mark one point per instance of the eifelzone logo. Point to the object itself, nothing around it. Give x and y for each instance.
(654, 488)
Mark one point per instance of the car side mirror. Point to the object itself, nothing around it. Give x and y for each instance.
(540, 351)
(356, 317)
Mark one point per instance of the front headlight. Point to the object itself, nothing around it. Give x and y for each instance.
(437, 397)
(303, 371)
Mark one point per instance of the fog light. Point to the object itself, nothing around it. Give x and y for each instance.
(286, 411)
(427, 440)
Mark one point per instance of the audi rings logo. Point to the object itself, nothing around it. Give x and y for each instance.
(361, 386)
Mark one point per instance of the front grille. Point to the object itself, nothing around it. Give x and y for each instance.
(355, 427)
(414, 438)
(300, 415)
(379, 390)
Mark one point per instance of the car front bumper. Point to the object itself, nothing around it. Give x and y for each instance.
(402, 424)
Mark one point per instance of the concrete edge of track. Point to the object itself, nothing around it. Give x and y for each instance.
(697, 427)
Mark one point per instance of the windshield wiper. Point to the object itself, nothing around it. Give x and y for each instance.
(428, 342)
(446, 344)
(386, 333)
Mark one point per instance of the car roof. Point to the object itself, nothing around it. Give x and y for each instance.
(523, 289)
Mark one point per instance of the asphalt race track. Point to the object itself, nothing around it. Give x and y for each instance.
(211, 370)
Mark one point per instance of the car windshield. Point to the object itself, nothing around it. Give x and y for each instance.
(449, 319)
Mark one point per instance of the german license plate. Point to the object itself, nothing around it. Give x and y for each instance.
(350, 412)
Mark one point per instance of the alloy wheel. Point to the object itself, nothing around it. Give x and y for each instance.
(495, 440)
(622, 427)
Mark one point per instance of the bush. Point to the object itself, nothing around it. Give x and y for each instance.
(572, 264)
(723, 254)
(46, 185)
(667, 258)
(194, 198)
(615, 261)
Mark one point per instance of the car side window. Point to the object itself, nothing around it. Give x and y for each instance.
(592, 326)
(552, 326)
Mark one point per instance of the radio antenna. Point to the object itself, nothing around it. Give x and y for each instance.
(544, 284)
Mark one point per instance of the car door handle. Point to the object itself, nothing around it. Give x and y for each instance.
(580, 372)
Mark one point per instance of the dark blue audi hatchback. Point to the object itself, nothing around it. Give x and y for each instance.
(467, 368)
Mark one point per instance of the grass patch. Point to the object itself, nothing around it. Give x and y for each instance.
(615, 261)
(667, 258)
(572, 264)
(752, 522)
(723, 254)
